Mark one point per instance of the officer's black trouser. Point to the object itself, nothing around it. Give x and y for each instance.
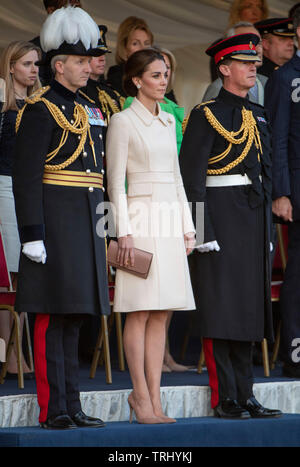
(229, 365)
(56, 364)
(290, 299)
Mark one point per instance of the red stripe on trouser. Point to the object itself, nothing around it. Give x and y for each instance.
(40, 362)
(212, 371)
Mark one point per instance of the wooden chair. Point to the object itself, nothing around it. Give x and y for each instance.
(2, 350)
(102, 351)
(7, 302)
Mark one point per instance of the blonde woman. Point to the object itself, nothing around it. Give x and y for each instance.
(133, 34)
(19, 78)
(248, 10)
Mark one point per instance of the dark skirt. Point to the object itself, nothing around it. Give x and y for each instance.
(231, 287)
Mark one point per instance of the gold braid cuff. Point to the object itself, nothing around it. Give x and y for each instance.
(80, 127)
(248, 132)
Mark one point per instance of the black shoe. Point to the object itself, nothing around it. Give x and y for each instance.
(82, 420)
(61, 422)
(230, 408)
(291, 371)
(256, 410)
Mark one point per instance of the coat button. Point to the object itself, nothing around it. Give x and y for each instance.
(63, 107)
(88, 171)
(91, 189)
(103, 189)
(102, 171)
(79, 137)
(102, 153)
(100, 136)
(72, 121)
(84, 154)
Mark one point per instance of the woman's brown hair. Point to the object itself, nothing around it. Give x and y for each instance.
(136, 65)
(10, 55)
(130, 24)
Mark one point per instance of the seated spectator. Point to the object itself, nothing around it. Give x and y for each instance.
(133, 34)
(256, 94)
(277, 41)
(20, 74)
(248, 10)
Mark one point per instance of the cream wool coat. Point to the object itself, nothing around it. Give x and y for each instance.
(142, 148)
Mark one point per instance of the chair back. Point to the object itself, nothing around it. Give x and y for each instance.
(281, 252)
(5, 280)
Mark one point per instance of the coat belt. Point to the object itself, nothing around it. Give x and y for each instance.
(73, 178)
(151, 177)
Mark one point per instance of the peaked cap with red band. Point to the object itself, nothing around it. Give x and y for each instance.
(277, 26)
(239, 47)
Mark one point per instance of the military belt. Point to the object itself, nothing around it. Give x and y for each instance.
(228, 180)
(73, 178)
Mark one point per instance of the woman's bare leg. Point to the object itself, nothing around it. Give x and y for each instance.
(155, 340)
(134, 347)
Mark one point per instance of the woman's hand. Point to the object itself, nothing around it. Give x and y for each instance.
(125, 251)
(189, 241)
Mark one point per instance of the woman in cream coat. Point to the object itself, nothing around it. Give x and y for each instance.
(154, 216)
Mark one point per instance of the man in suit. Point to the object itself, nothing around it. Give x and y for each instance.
(225, 165)
(58, 184)
(256, 94)
(277, 41)
(282, 95)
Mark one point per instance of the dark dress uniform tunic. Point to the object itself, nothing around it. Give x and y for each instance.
(73, 282)
(231, 287)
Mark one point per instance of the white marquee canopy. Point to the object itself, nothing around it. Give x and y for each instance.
(186, 27)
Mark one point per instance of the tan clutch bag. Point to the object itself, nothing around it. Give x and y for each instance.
(142, 260)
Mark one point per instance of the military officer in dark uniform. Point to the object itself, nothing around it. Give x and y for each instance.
(58, 184)
(107, 99)
(277, 39)
(225, 164)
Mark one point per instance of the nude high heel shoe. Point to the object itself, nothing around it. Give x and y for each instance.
(142, 420)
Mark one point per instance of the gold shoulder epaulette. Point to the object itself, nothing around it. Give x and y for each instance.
(204, 103)
(185, 122)
(79, 126)
(37, 95)
(87, 97)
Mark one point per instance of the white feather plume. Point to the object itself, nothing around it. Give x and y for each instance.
(69, 25)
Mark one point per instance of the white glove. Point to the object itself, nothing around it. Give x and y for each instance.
(35, 251)
(206, 247)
